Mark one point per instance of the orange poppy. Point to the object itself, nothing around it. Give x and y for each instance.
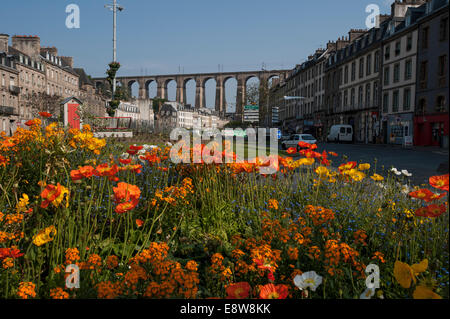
(135, 147)
(240, 290)
(49, 194)
(10, 253)
(347, 166)
(139, 222)
(270, 291)
(333, 154)
(304, 144)
(439, 182)
(291, 150)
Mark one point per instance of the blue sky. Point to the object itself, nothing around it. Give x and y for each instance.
(160, 37)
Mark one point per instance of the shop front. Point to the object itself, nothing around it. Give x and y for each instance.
(431, 130)
(399, 126)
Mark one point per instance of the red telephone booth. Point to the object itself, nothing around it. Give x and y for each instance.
(70, 107)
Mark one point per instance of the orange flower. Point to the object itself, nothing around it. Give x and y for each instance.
(45, 114)
(291, 150)
(333, 154)
(270, 291)
(126, 196)
(125, 161)
(347, 166)
(139, 222)
(439, 182)
(273, 203)
(53, 194)
(304, 144)
(240, 290)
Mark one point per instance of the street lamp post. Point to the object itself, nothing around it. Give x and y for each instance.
(114, 7)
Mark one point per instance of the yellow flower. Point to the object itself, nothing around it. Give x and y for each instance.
(377, 178)
(423, 292)
(357, 176)
(364, 167)
(404, 273)
(322, 171)
(44, 236)
(22, 204)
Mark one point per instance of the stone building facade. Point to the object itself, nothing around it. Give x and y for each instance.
(431, 120)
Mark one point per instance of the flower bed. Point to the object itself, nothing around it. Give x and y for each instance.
(134, 224)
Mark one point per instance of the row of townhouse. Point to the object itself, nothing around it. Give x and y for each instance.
(28, 72)
(390, 82)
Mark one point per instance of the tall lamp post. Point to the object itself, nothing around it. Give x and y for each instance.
(114, 7)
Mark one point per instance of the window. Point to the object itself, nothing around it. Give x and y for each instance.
(408, 69)
(422, 106)
(377, 61)
(386, 75)
(425, 37)
(368, 95)
(396, 73)
(387, 52)
(442, 64)
(406, 99)
(369, 64)
(360, 96)
(423, 74)
(385, 102)
(352, 97)
(353, 71)
(361, 67)
(345, 98)
(346, 74)
(409, 43)
(440, 104)
(443, 29)
(375, 93)
(397, 48)
(395, 102)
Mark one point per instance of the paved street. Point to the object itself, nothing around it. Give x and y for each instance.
(421, 162)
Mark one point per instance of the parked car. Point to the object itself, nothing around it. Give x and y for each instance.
(340, 133)
(296, 138)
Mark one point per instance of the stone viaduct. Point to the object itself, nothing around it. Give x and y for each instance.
(200, 79)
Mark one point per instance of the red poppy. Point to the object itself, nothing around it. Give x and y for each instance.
(270, 276)
(49, 194)
(125, 161)
(439, 182)
(432, 210)
(31, 122)
(132, 152)
(270, 291)
(304, 144)
(240, 290)
(135, 147)
(10, 253)
(106, 170)
(313, 146)
(45, 114)
(127, 197)
(424, 194)
(291, 150)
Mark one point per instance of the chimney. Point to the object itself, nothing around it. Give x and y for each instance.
(28, 44)
(4, 40)
(68, 60)
(381, 18)
(353, 34)
(50, 50)
(341, 43)
(331, 46)
(399, 7)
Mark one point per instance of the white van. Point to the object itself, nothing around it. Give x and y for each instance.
(340, 133)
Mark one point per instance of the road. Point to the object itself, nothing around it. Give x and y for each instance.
(422, 162)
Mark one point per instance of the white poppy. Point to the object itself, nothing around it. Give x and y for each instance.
(368, 293)
(406, 173)
(141, 152)
(124, 155)
(308, 280)
(169, 144)
(395, 171)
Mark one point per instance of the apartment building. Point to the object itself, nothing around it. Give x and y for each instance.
(431, 120)
(9, 91)
(399, 77)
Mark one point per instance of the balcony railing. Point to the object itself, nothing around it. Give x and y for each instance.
(14, 89)
(7, 110)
